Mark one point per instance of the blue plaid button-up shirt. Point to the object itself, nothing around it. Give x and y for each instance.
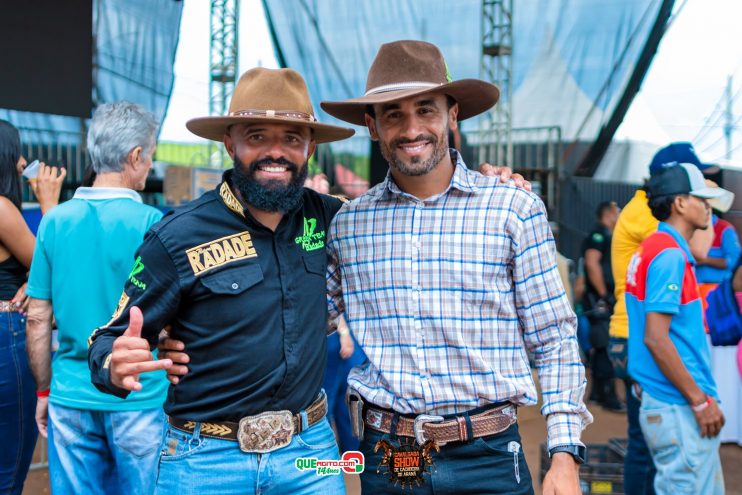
(445, 295)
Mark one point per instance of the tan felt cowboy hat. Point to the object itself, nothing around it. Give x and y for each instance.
(408, 68)
(270, 96)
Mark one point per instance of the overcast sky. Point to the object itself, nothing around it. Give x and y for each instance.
(682, 90)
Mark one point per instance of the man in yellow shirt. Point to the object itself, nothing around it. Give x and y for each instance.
(635, 224)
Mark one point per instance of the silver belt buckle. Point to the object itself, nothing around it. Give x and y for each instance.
(420, 421)
(266, 432)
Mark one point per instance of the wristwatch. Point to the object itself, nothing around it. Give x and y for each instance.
(577, 451)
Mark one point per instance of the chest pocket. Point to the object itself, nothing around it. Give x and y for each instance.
(234, 281)
(316, 263)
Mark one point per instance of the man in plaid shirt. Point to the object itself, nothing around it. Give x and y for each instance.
(447, 278)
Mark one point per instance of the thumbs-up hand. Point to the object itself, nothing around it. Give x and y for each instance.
(131, 355)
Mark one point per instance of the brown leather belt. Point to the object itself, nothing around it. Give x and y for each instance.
(260, 433)
(426, 427)
(8, 307)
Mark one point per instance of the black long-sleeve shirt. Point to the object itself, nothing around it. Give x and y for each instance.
(248, 303)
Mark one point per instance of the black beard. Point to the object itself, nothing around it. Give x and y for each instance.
(272, 196)
(416, 167)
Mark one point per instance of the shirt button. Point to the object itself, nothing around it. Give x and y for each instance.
(235, 286)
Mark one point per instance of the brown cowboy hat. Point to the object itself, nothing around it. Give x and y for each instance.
(408, 68)
(269, 96)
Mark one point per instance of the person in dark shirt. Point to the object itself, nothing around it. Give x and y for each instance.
(598, 303)
(240, 276)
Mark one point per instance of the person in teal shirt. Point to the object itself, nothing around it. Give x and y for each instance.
(84, 252)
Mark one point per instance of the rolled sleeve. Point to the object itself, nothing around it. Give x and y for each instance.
(335, 303)
(40, 276)
(665, 282)
(549, 327)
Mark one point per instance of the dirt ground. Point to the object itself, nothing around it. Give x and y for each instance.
(533, 430)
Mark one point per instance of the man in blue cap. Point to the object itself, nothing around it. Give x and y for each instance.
(680, 152)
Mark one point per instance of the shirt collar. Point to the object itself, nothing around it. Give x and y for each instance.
(107, 193)
(463, 179)
(228, 197)
(669, 229)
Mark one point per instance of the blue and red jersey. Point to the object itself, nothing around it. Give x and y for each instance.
(661, 279)
(726, 245)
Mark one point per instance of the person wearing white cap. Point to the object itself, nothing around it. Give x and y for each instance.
(668, 350)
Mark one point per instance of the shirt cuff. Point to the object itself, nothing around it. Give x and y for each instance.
(660, 307)
(564, 429)
(38, 293)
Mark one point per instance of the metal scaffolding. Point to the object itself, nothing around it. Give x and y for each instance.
(223, 57)
(496, 66)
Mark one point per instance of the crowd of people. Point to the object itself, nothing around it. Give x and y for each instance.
(442, 284)
(664, 294)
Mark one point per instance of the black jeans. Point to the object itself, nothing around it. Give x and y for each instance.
(481, 466)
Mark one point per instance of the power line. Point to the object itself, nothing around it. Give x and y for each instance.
(731, 152)
(713, 144)
(707, 124)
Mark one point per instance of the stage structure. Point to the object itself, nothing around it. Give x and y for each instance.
(223, 59)
(496, 66)
(567, 69)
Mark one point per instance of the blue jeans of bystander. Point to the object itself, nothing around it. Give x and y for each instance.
(103, 452)
(686, 462)
(17, 405)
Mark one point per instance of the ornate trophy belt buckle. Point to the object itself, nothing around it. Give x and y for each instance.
(266, 432)
(420, 421)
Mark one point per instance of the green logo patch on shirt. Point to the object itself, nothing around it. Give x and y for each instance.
(311, 240)
(673, 287)
(597, 237)
(138, 268)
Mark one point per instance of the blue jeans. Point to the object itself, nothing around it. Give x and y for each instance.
(482, 466)
(686, 462)
(103, 452)
(193, 464)
(17, 405)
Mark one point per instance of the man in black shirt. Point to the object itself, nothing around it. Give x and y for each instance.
(240, 276)
(598, 303)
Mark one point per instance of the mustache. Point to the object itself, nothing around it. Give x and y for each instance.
(421, 137)
(293, 167)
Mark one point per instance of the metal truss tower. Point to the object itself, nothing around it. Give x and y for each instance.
(496, 142)
(224, 28)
